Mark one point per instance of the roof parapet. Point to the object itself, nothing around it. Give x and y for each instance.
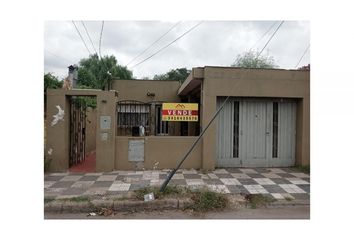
(193, 80)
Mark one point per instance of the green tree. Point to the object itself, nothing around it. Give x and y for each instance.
(98, 73)
(178, 74)
(250, 60)
(51, 81)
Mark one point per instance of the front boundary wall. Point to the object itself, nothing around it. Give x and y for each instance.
(112, 151)
(57, 132)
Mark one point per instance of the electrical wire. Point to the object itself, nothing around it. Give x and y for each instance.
(88, 35)
(302, 56)
(57, 55)
(263, 36)
(276, 30)
(175, 25)
(81, 37)
(169, 44)
(170, 175)
(99, 49)
(237, 60)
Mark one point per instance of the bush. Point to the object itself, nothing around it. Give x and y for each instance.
(207, 200)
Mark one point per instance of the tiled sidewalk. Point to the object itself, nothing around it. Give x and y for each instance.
(278, 183)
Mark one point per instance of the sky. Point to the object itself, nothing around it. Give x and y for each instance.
(211, 43)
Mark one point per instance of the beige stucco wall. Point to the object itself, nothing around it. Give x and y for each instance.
(58, 138)
(220, 81)
(166, 150)
(137, 90)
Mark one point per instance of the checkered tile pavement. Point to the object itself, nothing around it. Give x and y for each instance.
(278, 183)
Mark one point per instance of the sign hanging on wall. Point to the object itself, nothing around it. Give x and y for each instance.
(187, 112)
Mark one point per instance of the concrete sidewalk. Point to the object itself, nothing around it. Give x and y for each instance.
(277, 183)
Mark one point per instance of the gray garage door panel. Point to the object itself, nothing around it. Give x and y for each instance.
(256, 134)
(253, 138)
(287, 132)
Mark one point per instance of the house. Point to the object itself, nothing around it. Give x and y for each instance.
(264, 123)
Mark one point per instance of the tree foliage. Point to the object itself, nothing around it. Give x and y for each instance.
(51, 81)
(250, 60)
(97, 73)
(178, 74)
(306, 67)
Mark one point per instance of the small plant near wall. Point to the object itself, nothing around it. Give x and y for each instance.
(47, 162)
(304, 169)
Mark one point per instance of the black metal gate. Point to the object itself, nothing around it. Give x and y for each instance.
(77, 131)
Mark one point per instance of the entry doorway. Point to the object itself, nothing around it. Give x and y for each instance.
(256, 133)
(82, 149)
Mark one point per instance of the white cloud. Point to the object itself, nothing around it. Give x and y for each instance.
(212, 43)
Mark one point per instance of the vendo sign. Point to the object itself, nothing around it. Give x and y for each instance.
(187, 112)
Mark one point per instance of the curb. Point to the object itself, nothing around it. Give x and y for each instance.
(290, 203)
(123, 205)
(65, 206)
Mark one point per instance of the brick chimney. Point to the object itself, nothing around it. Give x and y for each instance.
(73, 75)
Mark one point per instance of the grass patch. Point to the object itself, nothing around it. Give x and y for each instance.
(122, 199)
(203, 200)
(48, 200)
(288, 199)
(169, 191)
(206, 200)
(258, 200)
(78, 199)
(304, 169)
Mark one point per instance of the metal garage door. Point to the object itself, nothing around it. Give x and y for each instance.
(256, 133)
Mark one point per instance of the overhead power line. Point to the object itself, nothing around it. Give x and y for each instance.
(255, 44)
(302, 56)
(88, 35)
(170, 175)
(175, 25)
(260, 39)
(166, 46)
(276, 30)
(57, 55)
(99, 48)
(81, 37)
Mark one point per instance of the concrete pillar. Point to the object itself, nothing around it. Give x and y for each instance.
(106, 131)
(209, 138)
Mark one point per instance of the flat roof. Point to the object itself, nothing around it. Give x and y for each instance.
(197, 74)
(147, 80)
(278, 69)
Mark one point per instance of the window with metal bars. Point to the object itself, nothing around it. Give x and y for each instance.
(275, 130)
(130, 116)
